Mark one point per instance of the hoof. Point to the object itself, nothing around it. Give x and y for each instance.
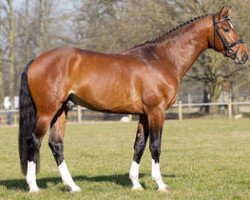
(140, 188)
(165, 189)
(75, 189)
(34, 190)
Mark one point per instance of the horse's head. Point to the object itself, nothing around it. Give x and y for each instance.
(225, 38)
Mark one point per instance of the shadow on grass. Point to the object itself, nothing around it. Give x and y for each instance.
(43, 183)
(119, 179)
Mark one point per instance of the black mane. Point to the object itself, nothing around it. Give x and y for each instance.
(158, 38)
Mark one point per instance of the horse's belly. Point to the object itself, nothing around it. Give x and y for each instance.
(107, 104)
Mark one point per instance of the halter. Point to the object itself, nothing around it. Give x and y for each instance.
(229, 51)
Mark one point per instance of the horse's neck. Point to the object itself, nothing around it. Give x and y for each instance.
(183, 47)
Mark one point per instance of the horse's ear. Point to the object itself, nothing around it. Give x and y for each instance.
(225, 12)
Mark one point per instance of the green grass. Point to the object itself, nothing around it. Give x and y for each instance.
(201, 159)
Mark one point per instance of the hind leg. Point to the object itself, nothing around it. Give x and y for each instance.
(139, 146)
(34, 144)
(56, 146)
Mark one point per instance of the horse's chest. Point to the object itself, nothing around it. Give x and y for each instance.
(161, 94)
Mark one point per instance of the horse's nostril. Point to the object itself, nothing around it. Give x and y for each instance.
(245, 56)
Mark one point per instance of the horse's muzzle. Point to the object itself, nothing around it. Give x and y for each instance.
(242, 60)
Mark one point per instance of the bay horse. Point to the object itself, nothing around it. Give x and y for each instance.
(142, 80)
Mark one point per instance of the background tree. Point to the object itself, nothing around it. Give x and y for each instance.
(114, 25)
(8, 34)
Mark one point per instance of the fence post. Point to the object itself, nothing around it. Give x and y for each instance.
(180, 110)
(79, 114)
(230, 110)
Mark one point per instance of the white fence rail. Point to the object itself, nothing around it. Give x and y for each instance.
(244, 107)
(177, 111)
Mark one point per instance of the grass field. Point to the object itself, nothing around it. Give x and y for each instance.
(201, 159)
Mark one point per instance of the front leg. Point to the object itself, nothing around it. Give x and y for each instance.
(156, 119)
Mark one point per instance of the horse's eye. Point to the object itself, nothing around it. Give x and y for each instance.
(226, 29)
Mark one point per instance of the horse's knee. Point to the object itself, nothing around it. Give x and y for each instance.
(57, 150)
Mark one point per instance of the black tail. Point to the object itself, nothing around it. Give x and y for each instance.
(27, 119)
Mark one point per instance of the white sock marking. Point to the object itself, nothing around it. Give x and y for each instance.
(156, 175)
(66, 177)
(134, 174)
(31, 176)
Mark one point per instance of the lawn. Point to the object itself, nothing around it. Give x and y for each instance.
(201, 159)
